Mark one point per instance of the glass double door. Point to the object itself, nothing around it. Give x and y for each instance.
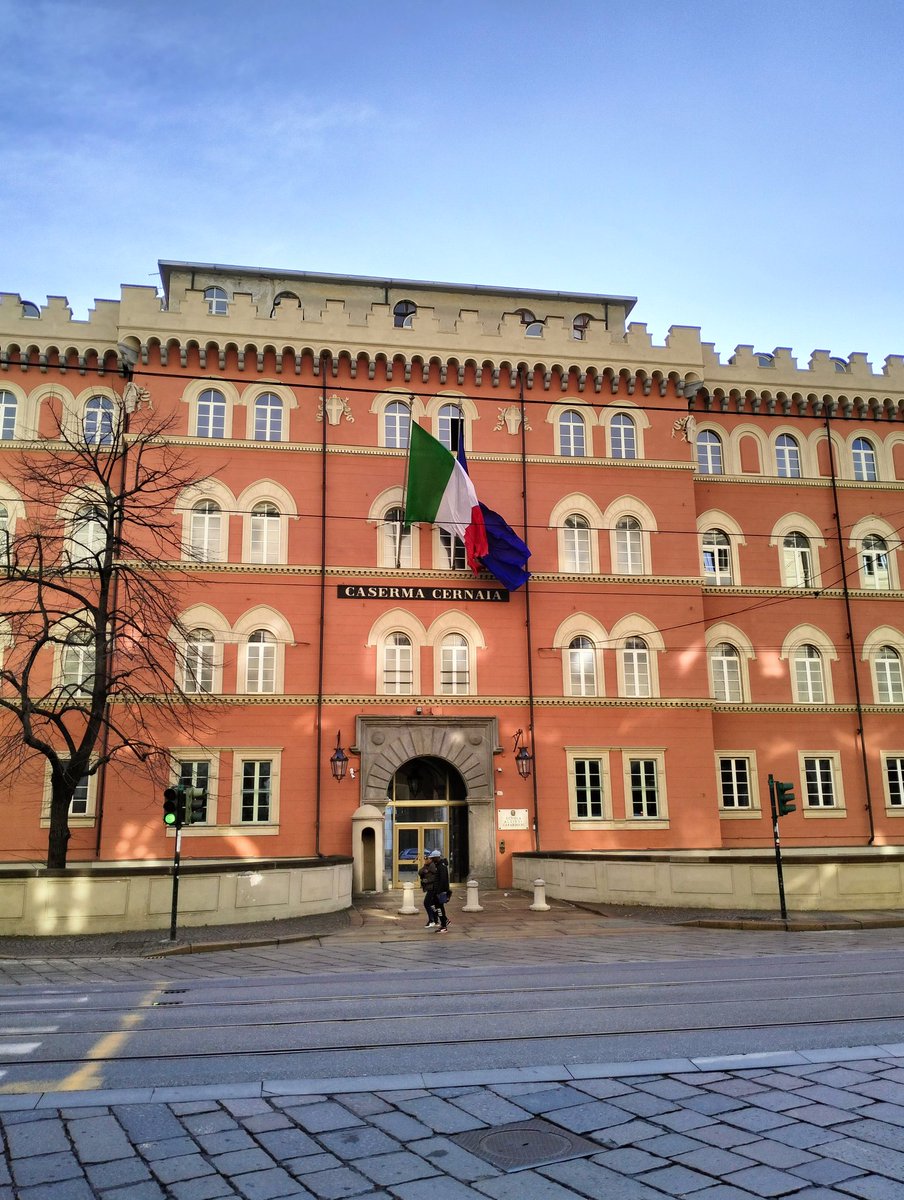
(411, 843)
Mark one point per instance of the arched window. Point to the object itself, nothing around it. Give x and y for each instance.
(260, 662)
(398, 671)
(629, 546)
(268, 418)
(875, 563)
(403, 314)
(198, 662)
(797, 561)
(717, 557)
(89, 535)
(455, 677)
(30, 309)
(725, 663)
(98, 422)
(581, 667)
(454, 550)
(395, 539)
(77, 663)
(572, 438)
(580, 325)
(863, 454)
(709, 453)
(7, 416)
(396, 424)
(265, 531)
(450, 427)
(532, 327)
(889, 678)
(576, 544)
(809, 676)
(623, 436)
(205, 532)
(636, 667)
(217, 301)
(285, 300)
(211, 414)
(787, 456)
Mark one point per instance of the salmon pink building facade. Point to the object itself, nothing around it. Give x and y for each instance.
(715, 589)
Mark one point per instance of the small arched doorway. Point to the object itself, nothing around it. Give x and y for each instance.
(427, 809)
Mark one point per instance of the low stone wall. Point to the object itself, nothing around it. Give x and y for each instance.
(843, 880)
(112, 898)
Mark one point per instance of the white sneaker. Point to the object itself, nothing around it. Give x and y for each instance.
(430, 925)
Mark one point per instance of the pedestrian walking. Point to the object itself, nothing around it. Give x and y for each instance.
(427, 876)
(441, 890)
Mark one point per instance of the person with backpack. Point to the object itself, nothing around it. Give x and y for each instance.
(439, 890)
(427, 876)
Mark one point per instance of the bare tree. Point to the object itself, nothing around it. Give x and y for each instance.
(91, 603)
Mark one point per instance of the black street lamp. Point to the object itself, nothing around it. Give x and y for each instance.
(338, 761)
(523, 757)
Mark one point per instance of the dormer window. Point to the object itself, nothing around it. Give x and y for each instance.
(532, 327)
(403, 314)
(580, 325)
(217, 301)
(841, 365)
(29, 309)
(286, 300)
(765, 360)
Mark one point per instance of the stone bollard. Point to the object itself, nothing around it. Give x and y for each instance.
(471, 904)
(539, 904)
(408, 908)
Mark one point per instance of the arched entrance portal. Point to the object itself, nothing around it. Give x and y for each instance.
(427, 809)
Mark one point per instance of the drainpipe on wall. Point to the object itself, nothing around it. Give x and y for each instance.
(527, 624)
(324, 358)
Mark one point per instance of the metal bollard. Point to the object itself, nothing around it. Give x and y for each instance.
(408, 907)
(471, 904)
(539, 904)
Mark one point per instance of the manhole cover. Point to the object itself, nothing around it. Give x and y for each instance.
(524, 1144)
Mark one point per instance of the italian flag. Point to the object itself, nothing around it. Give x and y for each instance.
(440, 492)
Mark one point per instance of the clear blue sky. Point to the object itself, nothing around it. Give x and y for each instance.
(735, 164)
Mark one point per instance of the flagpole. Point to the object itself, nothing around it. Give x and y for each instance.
(403, 524)
(527, 624)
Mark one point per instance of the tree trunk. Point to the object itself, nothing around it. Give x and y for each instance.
(58, 837)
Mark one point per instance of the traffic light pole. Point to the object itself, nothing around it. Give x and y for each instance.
(175, 909)
(778, 849)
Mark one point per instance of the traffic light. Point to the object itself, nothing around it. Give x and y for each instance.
(195, 804)
(784, 797)
(173, 807)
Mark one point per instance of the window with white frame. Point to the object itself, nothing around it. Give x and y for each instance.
(874, 563)
(709, 453)
(576, 545)
(587, 778)
(265, 533)
(725, 664)
(623, 436)
(629, 546)
(809, 675)
(98, 421)
(211, 414)
(532, 327)
(195, 773)
(77, 664)
(454, 552)
(894, 780)
(797, 561)
(395, 539)
(217, 301)
(581, 667)
(450, 427)
(80, 804)
(572, 434)
(717, 558)
(454, 665)
(205, 532)
(198, 658)
(787, 456)
(636, 667)
(268, 418)
(819, 781)
(396, 424)
(863, 455)
(735, 778)
(580, 325)
(260, 662)
(398, 665)
(8, 408)
(643, 776)
(257, 791)
(403, 314)
(88, 536)
(889, 677)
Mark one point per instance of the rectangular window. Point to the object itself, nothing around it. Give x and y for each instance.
(819, 781)
(894, 779)
(256, 790)
(588, 788)
(734, 783)
(79, 805)
(195, 773)
(644, 778)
